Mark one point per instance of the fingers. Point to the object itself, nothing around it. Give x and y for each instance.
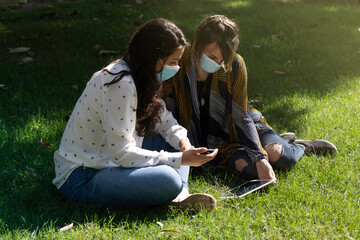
(264, 169)
(204, 157)
(197, 156)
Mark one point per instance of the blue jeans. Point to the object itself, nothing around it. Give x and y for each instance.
(289, 157)
(157, 143)
(126, 187)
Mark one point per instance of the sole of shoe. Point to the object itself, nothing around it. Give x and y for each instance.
(197, 202)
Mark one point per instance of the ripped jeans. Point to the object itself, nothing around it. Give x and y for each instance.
(290, 154)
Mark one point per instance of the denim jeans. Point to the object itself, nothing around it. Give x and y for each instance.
(126, 187)
(123, 187)
(289, 157)
(157, 143)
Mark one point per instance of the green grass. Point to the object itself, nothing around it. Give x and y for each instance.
(317, 98)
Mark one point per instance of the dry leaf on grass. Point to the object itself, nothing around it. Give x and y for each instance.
(103, 52)
(68, 227)
(45, 143)
(139, 2)
(256, 103)
(277, 36)
(26, 60)
(279, 73)
(97, 46)
(170, 230)
(256, 46)
(3, 87)
(287, 62)
(19, 50)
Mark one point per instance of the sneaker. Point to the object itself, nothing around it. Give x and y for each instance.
(289, 136)
(197, 202)
(318, 147)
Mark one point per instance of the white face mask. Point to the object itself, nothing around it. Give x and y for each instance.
(167, 72)
(209, 65)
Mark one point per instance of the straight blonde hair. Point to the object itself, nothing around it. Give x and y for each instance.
(219, 29)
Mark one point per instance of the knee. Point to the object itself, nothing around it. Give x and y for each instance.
(169, 182)
(240, 164)
(278, 159)
(274, 152)
(283, 160)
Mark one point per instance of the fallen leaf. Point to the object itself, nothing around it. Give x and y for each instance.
(170, 230)
(287, 62)
(256, 103)
(277, 36)
(75, 87)
(68, 227)
(97, 46)
(103, 52)
(45, 143)
(279, 73)
(256, 46)
(26, 60)
(139, 2)
(160, 224)
(260, 95)
(141, 16)
(19, 50)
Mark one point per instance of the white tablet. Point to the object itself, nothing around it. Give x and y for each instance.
(247, 188)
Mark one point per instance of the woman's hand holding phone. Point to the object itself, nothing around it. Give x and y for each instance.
(196, 157)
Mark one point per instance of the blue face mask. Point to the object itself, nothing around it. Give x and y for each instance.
(167, 72)
(209, 65)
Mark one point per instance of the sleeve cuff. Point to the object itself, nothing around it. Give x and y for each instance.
(172, 159)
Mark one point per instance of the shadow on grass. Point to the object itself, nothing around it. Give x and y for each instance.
(320, 40)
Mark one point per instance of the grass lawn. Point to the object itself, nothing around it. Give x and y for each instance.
(316, 44)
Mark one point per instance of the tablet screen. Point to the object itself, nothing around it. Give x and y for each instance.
(247, 188)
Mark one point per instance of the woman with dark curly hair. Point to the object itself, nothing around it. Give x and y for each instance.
(100, 160)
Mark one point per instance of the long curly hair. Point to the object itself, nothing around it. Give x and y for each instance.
(155, 39)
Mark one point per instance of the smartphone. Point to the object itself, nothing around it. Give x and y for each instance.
(247, 188)
(209, 150)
